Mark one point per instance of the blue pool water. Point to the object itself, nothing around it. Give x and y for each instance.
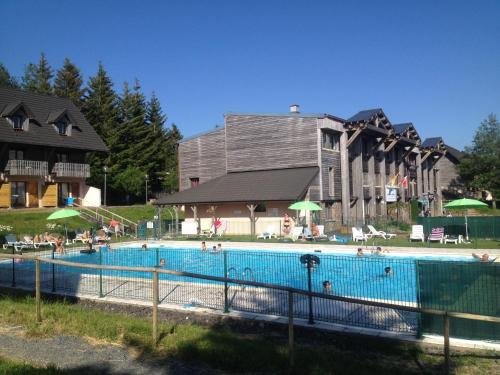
(361, 277)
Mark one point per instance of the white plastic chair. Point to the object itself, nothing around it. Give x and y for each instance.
(358, 235)
(417, 233)
(379, 233)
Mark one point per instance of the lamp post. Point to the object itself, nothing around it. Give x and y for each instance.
(105, 183)
(146, 188)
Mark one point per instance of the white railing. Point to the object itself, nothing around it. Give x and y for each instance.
(71, 170)
(27, 168)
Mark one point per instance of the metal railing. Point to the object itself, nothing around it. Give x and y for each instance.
(154, 285)
(27, 168)
(71, 170)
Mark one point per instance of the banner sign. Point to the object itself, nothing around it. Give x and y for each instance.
(391, 194)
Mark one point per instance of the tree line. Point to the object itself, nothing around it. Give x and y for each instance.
(141, 144)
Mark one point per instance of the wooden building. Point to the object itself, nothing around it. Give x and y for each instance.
(362, 165)
(43, 144)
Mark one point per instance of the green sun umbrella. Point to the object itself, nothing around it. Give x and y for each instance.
(464, 204)
(63, 214)
(305, 205)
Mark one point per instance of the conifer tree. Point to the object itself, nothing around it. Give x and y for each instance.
(6, 79)
(68, 83)
(100, 108)
(38, 78)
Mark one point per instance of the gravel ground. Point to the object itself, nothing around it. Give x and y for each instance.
(80, 356)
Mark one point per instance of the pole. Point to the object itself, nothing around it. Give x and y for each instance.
(226, 303)
(146, 189)
(37, 291)
(155, 307)
(309, 287)
(101, 295)
(13, 268)
(105, 187)
(291, 354)
(446, 344)
(53, 272)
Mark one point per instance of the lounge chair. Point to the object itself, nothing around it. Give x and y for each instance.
(437, 234)
(454, 239)
(358, 235)
(43, 241)
(417, 233)
(306, 234)
(81, 237)
(268, 233)
(11, 241)
(222, 229)
(321, 231)
(296, 233)
(379, 233)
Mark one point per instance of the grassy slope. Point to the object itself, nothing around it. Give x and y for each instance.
(223, 349)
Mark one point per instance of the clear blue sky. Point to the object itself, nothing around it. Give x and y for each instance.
(435, 63)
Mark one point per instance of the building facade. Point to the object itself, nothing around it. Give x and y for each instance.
(43, 144)
(364, 165)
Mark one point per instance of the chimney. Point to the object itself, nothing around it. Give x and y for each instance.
(294, 108)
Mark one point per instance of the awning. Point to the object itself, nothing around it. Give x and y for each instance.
(253, 186)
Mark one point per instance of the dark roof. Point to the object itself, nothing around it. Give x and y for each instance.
(400, 128)
(431, 142)
(457, 154)
(365, 115)
(251, 186)
(42, 109)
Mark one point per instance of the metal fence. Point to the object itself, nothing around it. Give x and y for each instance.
(153, 284)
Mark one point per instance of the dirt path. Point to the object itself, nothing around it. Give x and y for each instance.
(77, 355)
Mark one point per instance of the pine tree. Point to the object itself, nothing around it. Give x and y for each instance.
(155, 119)
(6, 79)
(38, 78)
(68, 83)
(172, 137)
(100, 108)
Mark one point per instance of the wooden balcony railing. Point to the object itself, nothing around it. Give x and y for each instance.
(27, 168)
(71, 170)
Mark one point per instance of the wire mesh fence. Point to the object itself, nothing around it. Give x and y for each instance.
(387, 279)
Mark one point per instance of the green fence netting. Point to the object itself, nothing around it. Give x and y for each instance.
(478, 226)
(470, 287)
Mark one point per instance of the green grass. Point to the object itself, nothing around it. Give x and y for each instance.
(221, 348)
(10, 367)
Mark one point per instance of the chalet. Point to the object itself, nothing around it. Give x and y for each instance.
(256, 165)
(43, 144)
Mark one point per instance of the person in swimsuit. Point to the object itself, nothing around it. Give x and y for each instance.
(287, 224)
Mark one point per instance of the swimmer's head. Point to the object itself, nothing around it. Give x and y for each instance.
(387, 270)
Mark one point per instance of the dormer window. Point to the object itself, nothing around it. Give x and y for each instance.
(18, 121)
(62, 127)
(18, 115)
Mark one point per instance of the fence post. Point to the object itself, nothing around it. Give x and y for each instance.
(101, 295)
(155, 307)
(13, 268)
(37, 291)
(291, 354)
(53, 273)
(446, 343)
(226, 304)
(157, 257)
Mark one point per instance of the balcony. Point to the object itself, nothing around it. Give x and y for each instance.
(71, 170)
(27, 168)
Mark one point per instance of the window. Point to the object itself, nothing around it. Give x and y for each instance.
(331, 190)
(195, 181)
(260, 208)
(330, 141)
(18, 194)
(18, 121)
(16, 154)
(62, 127)
(62, 157)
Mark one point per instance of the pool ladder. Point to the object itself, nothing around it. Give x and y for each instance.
(246, 272)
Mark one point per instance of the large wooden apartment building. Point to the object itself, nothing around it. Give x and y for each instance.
(355, 168)
(43, 143)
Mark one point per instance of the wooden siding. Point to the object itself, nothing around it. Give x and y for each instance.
(331, 159)
(270, 142)
(448, 172)
(49, 196)
(203, 157)
(4, 194)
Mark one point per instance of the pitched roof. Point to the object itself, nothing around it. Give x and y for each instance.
(250, 186)
(400, 128)
(43, 108)
(457, 154)
(365, 115)
(431, 142)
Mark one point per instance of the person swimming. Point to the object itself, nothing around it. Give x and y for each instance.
(483, 258)
(360, 252)
(388, 271)
(203, 246)
(327, 287)
(144, 246)
(219, 247)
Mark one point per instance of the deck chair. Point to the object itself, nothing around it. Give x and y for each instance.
(268, 233)
(296, 233)
(306, 234)
(222, 229)
(437, 234)
(11, 241)
(321, 235)
(358, 235)
(417, 233)
(379, 233)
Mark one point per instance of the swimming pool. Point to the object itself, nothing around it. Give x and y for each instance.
(349, 275)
